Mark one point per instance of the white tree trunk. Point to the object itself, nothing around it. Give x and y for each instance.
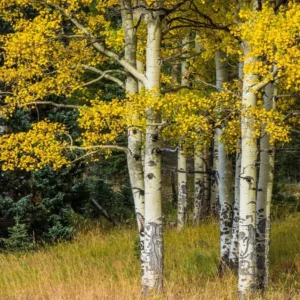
(226, 203)
(199, 175)
(207, 182)
(134, 157)
(264, 196)
(234, 249)
(182, 188)
(214, 194)
(153, 276)
(174, 74)
(248, 181)
(181, 157)
(184, 63)
(141, 68)
(224, 173)
(199, 169)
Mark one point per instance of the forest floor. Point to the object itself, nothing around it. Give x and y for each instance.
(102, 264)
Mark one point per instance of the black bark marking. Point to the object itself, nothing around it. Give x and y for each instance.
(247, 241)
(150, 176)
(183, 187)
(154, 137)
(249, 179)
(136, 157)
(245, 269)
(261, 226)
(155, 255)
(141, 226)
(151, 163)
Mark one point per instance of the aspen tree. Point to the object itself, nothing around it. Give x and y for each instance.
(264, 194)
(234, 251)
(224, 173)
(134, 154)
(153, 276)
(259, 26)
(214, 193)
(181, 154)
(199, 170)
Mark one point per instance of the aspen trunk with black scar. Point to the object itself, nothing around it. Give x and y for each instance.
(199, 175)
(234, 249)
(199, 168)
(248, 182)
(225, 174)
(214, 193)
(207, 182)
(181, 155)
(226, 204)
(182, 188)
(134, 156)
(153, 276)
(264, 195)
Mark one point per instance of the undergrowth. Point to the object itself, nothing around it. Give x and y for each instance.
(101, 264)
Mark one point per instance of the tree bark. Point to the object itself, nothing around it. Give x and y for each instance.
(224, 174)
(226, 204)
(182, 188)
(214, 194)
(181, 156)
(248, 181)
(140, 67)
(199, 168)
(234, 249)
(207, 182)
(200, 183)
(264, 196)
(134, 156)
(153, 276)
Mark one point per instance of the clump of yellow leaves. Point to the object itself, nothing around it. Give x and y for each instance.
(103, 122)
(275, 39)
(39, 147)
(39, 57)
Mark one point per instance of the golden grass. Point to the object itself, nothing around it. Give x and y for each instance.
(101, 264)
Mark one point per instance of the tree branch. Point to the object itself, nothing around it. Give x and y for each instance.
(100, 147)
(104, 74)
(266, 81)
(104, 212)
(53, 104)
(100, 46)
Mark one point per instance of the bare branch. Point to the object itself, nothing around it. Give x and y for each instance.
(100, 46)
(104, 212)
(215, 87)
(6, 93)
(266, 81)
(73, 106)
(180, 56)
(104, 74)
(99, 147)
(175, 89)
(169, 150)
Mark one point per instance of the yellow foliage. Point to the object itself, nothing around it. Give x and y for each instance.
(275, 39)
(39, 147)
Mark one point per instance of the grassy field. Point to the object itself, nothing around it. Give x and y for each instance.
(100, 264)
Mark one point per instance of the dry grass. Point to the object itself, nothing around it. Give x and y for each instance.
(101, 265)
